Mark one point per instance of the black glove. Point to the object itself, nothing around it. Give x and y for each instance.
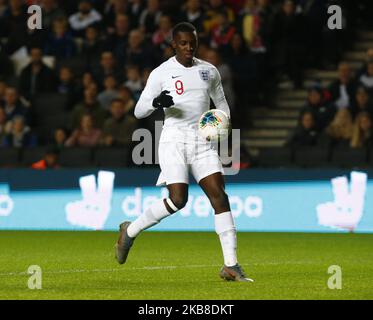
(164, 100)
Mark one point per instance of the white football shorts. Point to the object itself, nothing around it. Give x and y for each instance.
(177, 158)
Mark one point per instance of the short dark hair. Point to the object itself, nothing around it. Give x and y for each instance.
(183, 27)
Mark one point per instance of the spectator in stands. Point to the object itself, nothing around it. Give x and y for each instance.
(134, 80)
(5, 125)
(87, 80)
(194, 14)
(134, 11)
(364, 67)
(118, 129)
(87, 135)
(243, 67)
(255, 23)
(323, 112)
(3, 87)
(66, 85)
(288, 41)
(3, 8)
(362, 134)
(213, 10)
(85, 17)
(60, 43)
(163, 35)
(306, 133)
(49, 161)
(362, 102)
(226, 75)
(111, 10)
(125, 94)
(340, 129)
(137, 52)
(92, 47)
(19, 135)
(236, 5)
(343, 89)
(222, 32)
(50, 12)
(36, 77)
(13, 106)
(366, 79)
(149, 18)
(13, 12)
(109, 93)
(14, 15)
(248, 22)
(117, 41)
(265, 13)
(108, 67)
(88, 105)
(59, 138)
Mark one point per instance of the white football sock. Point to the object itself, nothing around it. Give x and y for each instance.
(226, 230)
(152, 216)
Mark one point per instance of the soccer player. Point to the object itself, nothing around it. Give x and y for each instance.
(183, 86)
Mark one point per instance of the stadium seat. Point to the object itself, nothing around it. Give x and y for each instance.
(47, 104)
(76, 157)
(112, 157)
(77, 64)
(311, 156)
(275, 157)
(49, 123)
(9, 157)
(349, 157)
(31, 155)
(56, 120)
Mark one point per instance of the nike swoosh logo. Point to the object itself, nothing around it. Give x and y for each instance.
(173, 77)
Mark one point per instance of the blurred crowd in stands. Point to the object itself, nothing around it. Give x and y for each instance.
(341, 114)
(75, 82)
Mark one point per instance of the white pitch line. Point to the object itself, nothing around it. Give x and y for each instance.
(109, 270)
(151, 268)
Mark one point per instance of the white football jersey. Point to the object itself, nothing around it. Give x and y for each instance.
(191, 89)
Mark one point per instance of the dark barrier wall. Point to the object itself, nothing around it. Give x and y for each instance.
(261, 200)
(27, 179)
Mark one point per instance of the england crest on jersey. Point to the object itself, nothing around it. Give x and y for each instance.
(204, 75)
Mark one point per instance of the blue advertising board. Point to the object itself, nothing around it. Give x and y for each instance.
(261, 200)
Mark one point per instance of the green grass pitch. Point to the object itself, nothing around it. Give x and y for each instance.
(171, 265)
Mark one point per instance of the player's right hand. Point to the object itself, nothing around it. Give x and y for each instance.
(164, 100)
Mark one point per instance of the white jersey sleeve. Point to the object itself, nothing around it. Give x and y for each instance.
(217, 93)
(152, 89)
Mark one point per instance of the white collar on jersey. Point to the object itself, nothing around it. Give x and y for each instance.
(177, 62)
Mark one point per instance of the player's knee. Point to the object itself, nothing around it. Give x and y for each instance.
(179, 200)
